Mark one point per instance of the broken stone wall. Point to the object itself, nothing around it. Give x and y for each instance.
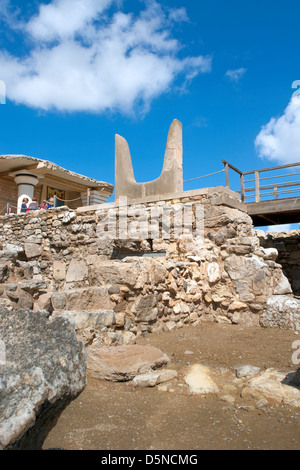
(115, 289)
(288, 247)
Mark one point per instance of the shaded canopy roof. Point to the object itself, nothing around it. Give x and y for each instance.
(51, 173)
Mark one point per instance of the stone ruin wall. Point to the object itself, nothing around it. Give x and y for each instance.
(288, 247)
(57, 262)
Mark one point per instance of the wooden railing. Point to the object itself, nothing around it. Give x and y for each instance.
(258, 191)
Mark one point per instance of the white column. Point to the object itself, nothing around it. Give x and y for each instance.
(26, 182)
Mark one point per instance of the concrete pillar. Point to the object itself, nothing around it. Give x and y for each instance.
(26, 182)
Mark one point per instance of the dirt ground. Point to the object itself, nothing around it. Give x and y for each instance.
(111, 416)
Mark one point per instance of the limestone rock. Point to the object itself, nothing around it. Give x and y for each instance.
(44, 370)
(246, 371)
(32, 285)
(283, 286)
(153, 378)
(243, 268)
(77, 271)
(59, 270)
(282, 311)
(89, 319)
(123, 363)
(199, 380)
(270, 253)
(277, 386)
(58, 301)
(87, 298)
(11, 252)
(32, 250)
(213, 273)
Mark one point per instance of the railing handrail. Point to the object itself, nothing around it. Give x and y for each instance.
(260, 170)
(280, 167)
(258, 188)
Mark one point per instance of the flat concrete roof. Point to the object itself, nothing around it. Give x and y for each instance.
(50, 172)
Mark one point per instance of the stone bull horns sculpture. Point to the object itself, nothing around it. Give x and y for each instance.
(171, 179)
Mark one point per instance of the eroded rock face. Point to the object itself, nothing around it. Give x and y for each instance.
(42, 369)
(123, 363)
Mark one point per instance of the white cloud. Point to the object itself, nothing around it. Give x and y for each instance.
(82, 59)
(236, 75)
(280, 228)
(62, 19)
(280, 139)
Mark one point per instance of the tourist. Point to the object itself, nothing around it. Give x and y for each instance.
(10, 212)
(50, 203)
(44, 204)
(33, 206)
(24, 205)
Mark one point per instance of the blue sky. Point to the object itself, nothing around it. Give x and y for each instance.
(79, 72)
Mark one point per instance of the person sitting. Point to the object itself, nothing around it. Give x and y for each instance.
(44, 204)
(33, 206)
(24, 205)
(50, 203)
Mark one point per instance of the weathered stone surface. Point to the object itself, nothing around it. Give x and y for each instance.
(117, 273)
(10, 252)
(283, 388)
(153, 378)
(32, 285)
(25, 300)
(90, 319)
(123, 363)
(283, 286)
(59, 270)
(242, 268)
(32, 250)
(87, 298)
(4, 272)
(213, 272)
(144, 308)
(77, 271)
(282, 311)
(43, 371)
(246, 371)
(58, 301)
(200, 381)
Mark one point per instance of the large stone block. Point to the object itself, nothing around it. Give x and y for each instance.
(123, 363)
(59, 270)
(77, 271)
(43, 368)
(87, 298)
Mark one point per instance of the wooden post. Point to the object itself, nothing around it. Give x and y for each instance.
(257, 190)
(242, 188)
(227, 175)
(275, 192)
